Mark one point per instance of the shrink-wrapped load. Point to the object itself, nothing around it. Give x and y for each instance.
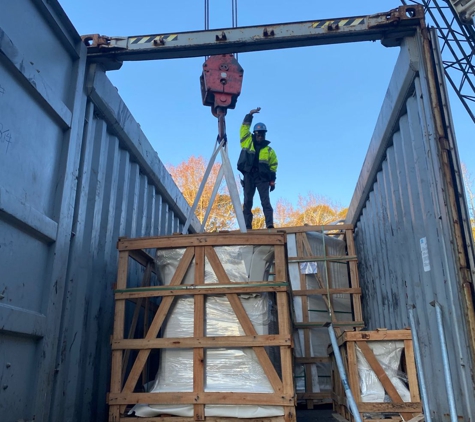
(226, 370)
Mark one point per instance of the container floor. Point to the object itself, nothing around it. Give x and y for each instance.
(315, 415)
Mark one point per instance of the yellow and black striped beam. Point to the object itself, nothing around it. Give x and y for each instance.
(147, 39)
(339, 22)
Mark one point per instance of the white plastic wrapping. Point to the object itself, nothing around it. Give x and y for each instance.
(226, 370)
(388, 354)
(241, 263)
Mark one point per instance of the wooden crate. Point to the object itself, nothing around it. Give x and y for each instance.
(124, 382)
(300, 251)
(347, 343)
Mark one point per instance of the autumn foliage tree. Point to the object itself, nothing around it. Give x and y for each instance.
(188, 176)
(311, 209)
(317, 210)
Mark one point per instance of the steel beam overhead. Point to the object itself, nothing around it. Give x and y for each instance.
(389, 27)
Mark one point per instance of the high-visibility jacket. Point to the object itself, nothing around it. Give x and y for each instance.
(267, 156)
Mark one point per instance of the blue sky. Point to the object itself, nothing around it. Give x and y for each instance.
(320, 104)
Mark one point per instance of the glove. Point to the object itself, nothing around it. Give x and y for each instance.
(255, 110)
(272, 186)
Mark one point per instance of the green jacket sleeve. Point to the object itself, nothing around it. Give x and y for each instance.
(245, 134)
(273, 163)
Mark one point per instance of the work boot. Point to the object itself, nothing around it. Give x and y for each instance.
(271, 226)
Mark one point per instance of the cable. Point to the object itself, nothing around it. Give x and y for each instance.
(206, 19)
(206, 15)
(234, 13)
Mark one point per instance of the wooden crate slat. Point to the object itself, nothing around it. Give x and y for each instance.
(333, 291)
(325, 324)
(323, 228)
(352, 371)
(143, 258)
(285, 351)
(146, 323)
(390, 407)
(175, 242)
(280, 263)
(378, 335)
(419, 418)
(205, 342)
(325, 258)
(354, 278)
(118, 333)
(190, 289)
(411, 370)
(223, 398)
(198, 331)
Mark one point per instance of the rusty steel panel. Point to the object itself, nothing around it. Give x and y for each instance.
(408, 211)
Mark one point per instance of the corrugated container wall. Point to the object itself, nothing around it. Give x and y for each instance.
(76, 173)
(412, 231)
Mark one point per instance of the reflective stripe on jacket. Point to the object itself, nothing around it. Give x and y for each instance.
(267, 156)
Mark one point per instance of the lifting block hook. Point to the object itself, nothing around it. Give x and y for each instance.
(221, 83)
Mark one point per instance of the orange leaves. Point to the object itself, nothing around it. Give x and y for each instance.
(188, 176)
(311, 209)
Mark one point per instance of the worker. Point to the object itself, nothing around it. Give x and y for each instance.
(258, 164)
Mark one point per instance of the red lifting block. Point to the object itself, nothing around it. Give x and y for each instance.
(221, 82)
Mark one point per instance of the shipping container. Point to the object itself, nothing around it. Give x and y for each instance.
(77, 173)
(412, 230)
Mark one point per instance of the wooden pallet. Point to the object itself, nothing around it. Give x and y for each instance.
(124, 382)
(347, 343)
(299, 250)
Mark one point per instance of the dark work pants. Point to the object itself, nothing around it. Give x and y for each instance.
(252, 181)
